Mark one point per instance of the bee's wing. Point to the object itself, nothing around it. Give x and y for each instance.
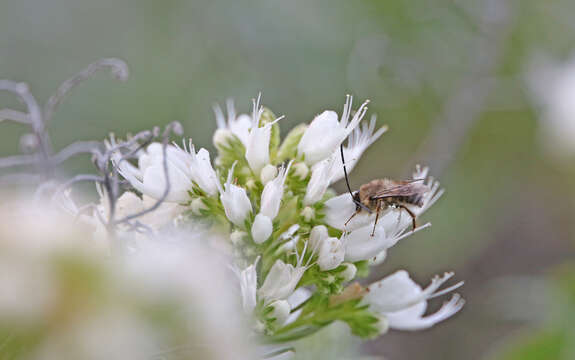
(402, 189)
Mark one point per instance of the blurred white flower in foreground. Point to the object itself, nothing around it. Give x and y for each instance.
(552, 87)
(167, 299)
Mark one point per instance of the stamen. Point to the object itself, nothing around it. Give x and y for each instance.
(220, 119)
(231, 111)
(447, 290)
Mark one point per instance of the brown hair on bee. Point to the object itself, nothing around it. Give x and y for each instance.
(380, 194)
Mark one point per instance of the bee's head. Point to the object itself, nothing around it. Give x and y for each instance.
(358, 205)
(357, 201)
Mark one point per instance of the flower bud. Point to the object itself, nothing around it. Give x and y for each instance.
(268, 173)
(197, 205)
(222, 137)
(259, 327)
(262, 228)
(317, 236)
(273, 193)
(237, 204)
(250, 184)
(330, 279)
(382, 325)
(301, 170)
(349, 272)
(319, 182)
(308, 213)
(331, 254)
(258, 143)
(280, 312)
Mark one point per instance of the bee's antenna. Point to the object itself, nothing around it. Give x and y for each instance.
(347, 183)
(345, 172)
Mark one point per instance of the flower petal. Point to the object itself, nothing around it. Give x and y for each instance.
(412, 319)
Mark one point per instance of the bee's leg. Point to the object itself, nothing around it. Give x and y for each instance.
(377, 211)
(410, 214)
(351, 217)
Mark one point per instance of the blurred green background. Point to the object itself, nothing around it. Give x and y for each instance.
(447, 76)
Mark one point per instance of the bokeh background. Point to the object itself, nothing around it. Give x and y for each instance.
(477, 89)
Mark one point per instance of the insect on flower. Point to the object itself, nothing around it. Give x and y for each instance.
(380, 194)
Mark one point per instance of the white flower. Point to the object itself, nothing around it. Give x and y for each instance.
(340, 208)
(236, 202)
(258, 144)
(248, 286)
(281, 280)
(273, 193)
(149, 177)
(360, 245)
(262, 228)
(201, 170)
(331, 254)
(359, 140)
(319, 182)
(404, 302)
(326, 133)
(238, 126)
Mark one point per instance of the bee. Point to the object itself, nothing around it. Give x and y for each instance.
(380, 194)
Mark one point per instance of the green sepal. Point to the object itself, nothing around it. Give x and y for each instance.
(234, 150)
(288, 149)
(362, 268)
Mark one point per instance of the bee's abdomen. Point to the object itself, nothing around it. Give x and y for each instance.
(415, 199)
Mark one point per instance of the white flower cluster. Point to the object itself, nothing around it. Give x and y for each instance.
(294, 249)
